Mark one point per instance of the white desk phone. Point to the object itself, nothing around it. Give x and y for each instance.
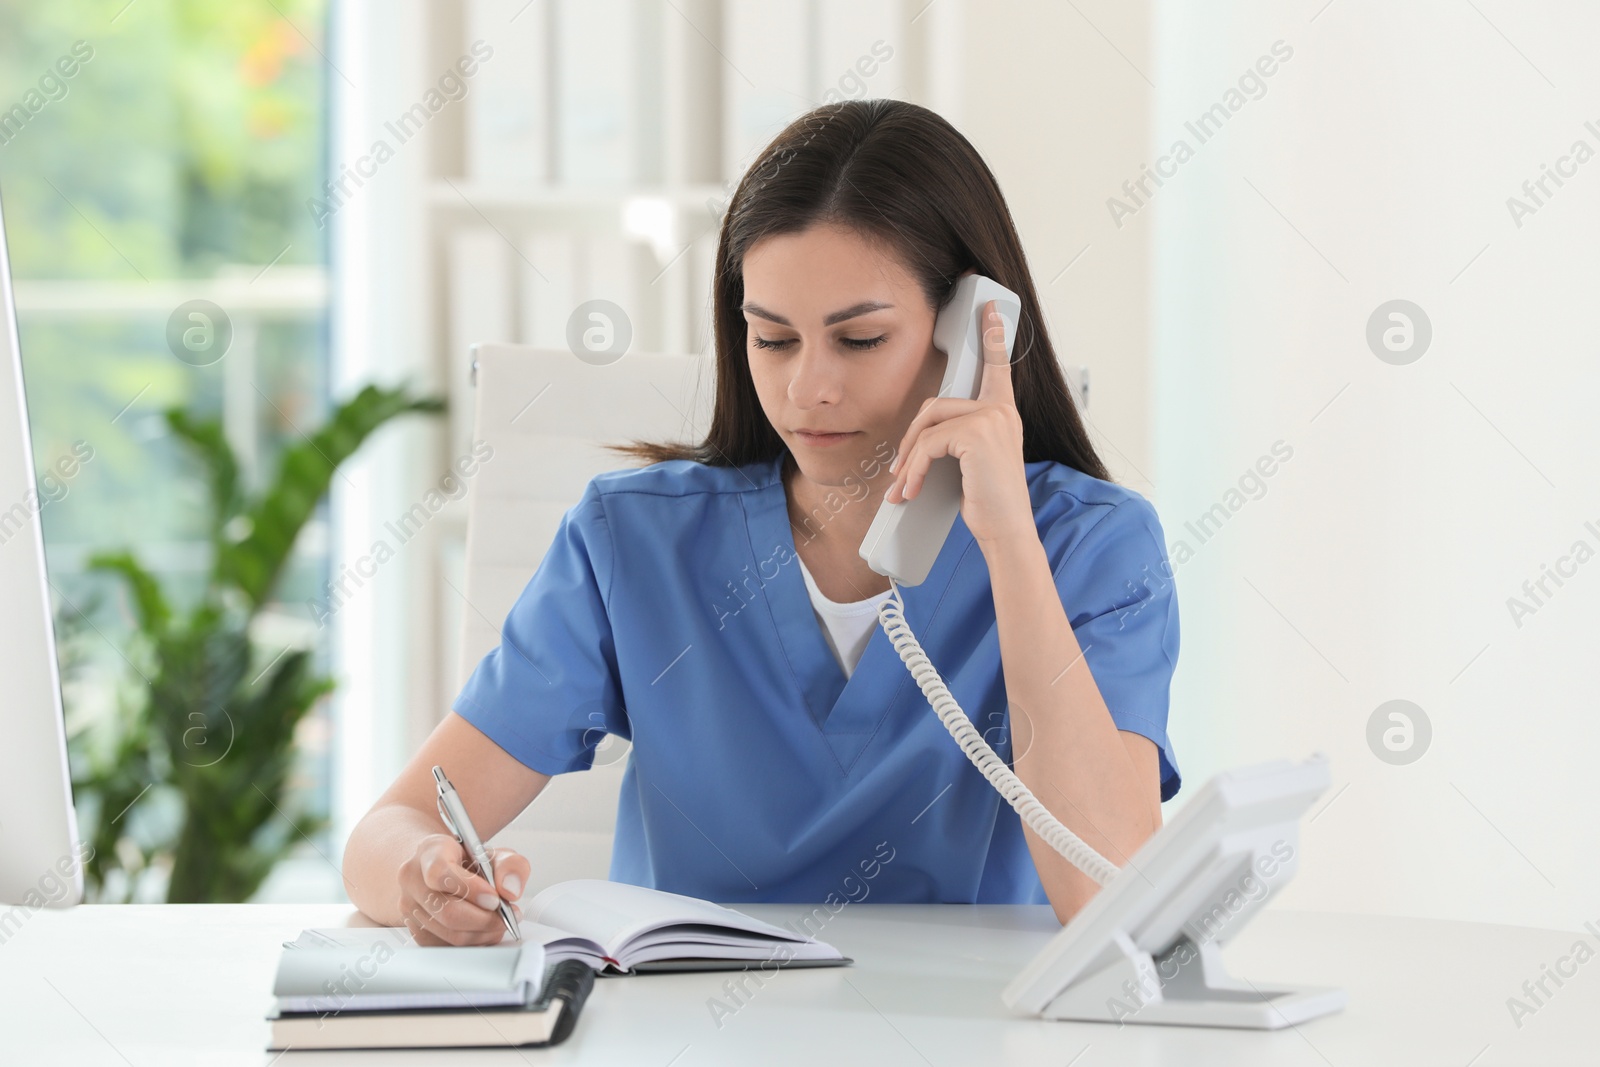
(1147, 948)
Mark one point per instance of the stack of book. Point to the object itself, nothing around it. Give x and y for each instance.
(374, 987)
(332, 995)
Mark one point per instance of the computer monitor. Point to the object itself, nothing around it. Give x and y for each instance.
(40, 861)
(1147, 948)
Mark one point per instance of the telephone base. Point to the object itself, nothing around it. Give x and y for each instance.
(1185, 986)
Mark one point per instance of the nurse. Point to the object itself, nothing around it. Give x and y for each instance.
(711, 605)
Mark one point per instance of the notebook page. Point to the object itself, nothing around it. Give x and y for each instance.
(614, 913)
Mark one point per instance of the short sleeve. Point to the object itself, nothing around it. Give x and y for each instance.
(549, 692)
(1121, 599)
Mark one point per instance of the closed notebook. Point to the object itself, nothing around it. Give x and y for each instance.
(481, 998)
(341, 979)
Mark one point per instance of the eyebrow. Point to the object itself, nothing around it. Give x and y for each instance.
(838, 316)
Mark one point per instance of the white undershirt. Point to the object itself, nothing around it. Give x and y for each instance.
(848, 627)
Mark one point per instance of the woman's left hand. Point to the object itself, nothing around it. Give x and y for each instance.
(985, 435)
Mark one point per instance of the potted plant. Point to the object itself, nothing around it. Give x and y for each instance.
(210, 718)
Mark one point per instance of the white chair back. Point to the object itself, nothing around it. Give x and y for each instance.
(547, 415)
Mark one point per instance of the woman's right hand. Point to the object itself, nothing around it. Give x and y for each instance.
(443, 901)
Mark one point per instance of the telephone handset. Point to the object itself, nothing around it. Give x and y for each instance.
(905, 538)
(904, 541)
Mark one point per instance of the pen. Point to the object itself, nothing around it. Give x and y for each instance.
(454, 814)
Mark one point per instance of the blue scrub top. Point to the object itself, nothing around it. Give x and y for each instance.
(669, 610)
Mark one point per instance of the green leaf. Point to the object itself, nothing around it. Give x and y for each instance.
(150, 603)
(307, 468)
(222, 469)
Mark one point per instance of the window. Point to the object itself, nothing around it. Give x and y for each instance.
(150, 156)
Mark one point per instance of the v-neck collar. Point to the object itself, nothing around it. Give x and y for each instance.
(846, 711)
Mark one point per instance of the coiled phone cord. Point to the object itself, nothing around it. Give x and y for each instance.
(891, 616)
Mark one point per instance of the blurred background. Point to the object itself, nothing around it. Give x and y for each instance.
(1330, 266)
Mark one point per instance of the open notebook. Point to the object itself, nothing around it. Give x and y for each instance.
(617, 928)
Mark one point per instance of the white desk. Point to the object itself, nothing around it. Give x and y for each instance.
(188, 984)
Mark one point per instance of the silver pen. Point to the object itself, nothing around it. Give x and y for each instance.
(454, 814)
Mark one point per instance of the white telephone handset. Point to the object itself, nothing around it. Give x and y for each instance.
(905, 538)
(904, 541)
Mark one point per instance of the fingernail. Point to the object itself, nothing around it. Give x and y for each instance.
(487, 901)
(513, 885)
(893, 466)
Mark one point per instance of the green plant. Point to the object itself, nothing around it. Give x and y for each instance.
(212, 719)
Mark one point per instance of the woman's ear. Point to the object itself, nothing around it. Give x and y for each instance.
(953, 281)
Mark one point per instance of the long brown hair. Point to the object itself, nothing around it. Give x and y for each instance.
(901, 174)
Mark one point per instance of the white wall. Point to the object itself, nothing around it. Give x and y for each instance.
(1056, 98)
(1419, 497)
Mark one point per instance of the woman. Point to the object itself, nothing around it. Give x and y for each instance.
(712, 606)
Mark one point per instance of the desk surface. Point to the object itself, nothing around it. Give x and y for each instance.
(189, 984)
